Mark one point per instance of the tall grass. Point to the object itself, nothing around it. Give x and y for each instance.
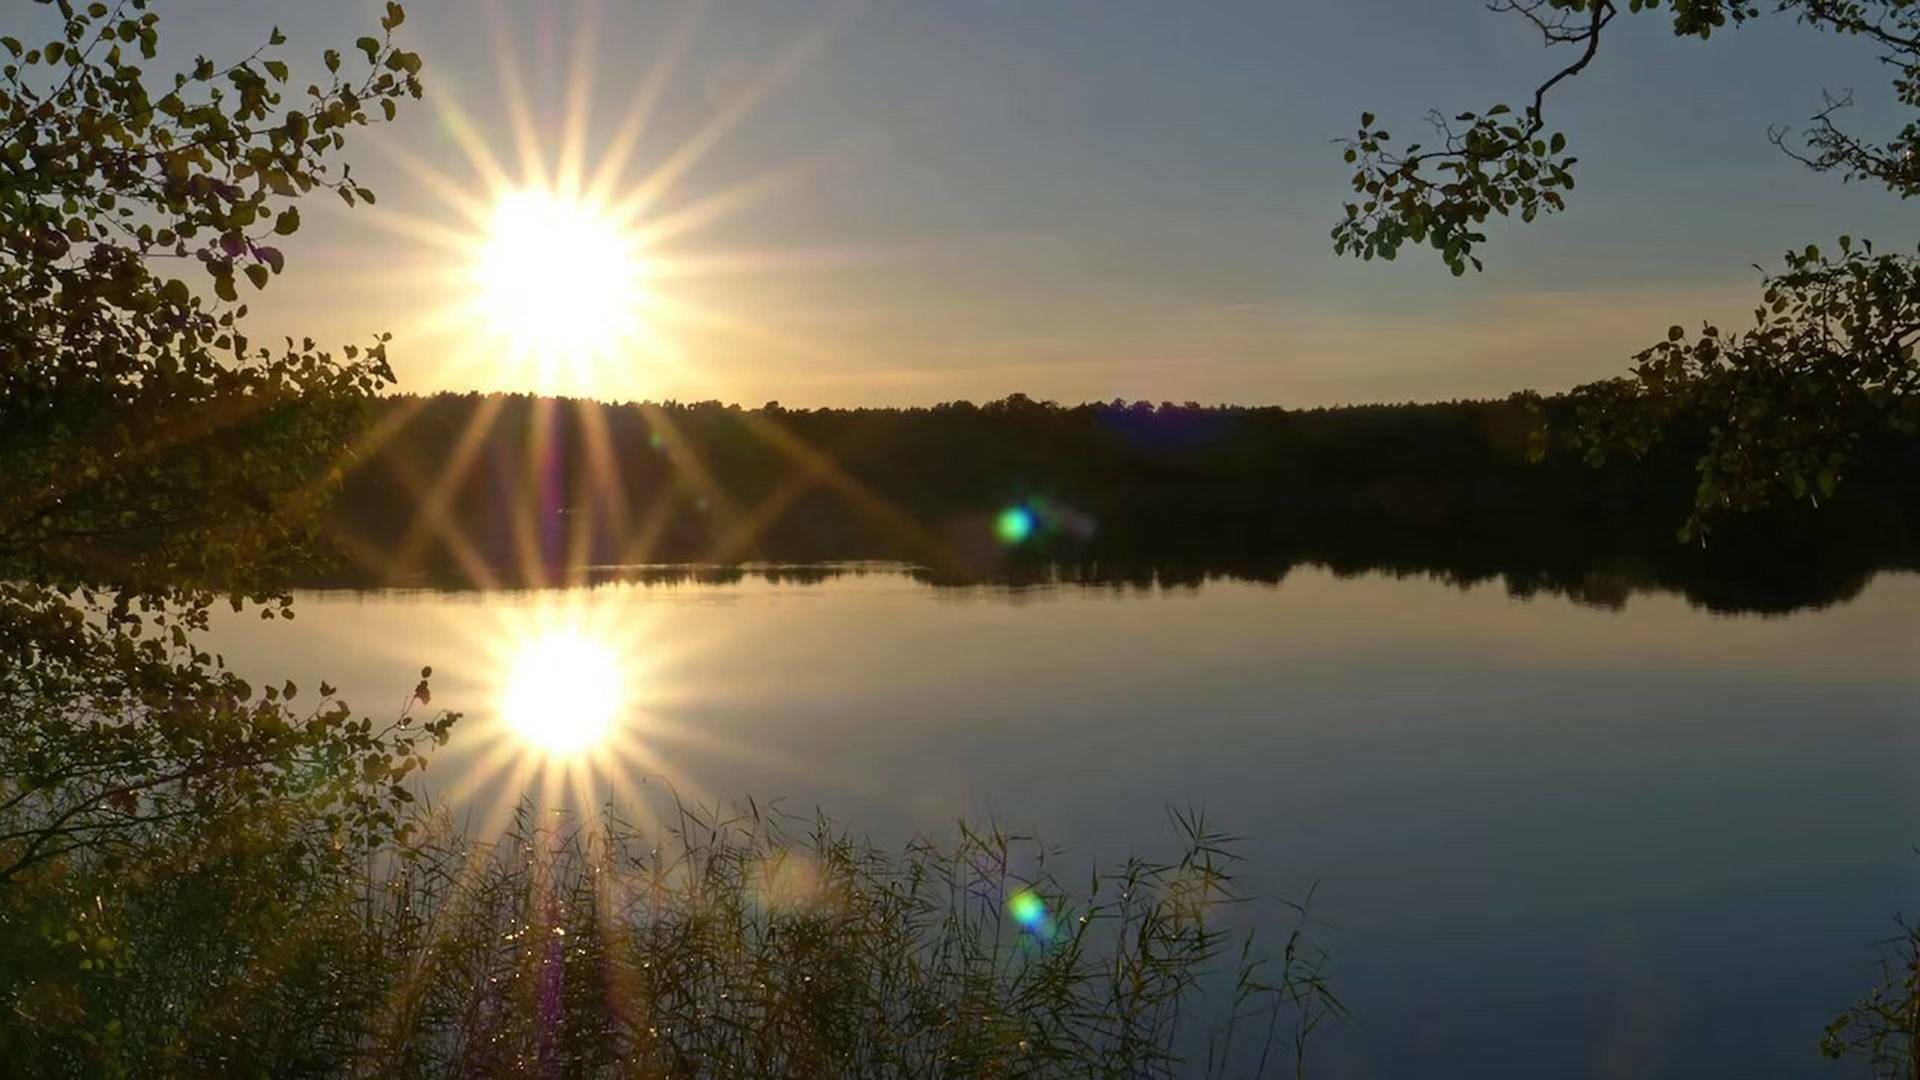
(751, 944)
(762, 945)
(1882, 1029)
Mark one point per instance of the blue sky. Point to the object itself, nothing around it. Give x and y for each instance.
(1088, 199)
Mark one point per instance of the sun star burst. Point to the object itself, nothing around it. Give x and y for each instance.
(558, 282)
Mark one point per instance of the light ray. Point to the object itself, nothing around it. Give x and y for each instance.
(686, 312)
(928, 547)
(760, 261)
(605, 492)
(431, 519)
(703, 142)
(444, 237)
(665, 731)
(638, 547)
(619, 150)
(717, 206)
(738, 540)
(577, 704)
(480, 157)
(533, 514)
(461, 198)
(686, 461)
(526, 138)
(579, 102)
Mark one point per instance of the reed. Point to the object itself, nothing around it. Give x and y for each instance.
(695, 944)
(759, 944)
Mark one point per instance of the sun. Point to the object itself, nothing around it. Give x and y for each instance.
(569, 251)
(565, 691)
(558, 282)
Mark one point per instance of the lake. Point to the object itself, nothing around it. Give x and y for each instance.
(1546, 838)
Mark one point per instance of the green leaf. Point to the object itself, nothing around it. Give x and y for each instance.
(288, 222)
(277, 69)
(370, 46)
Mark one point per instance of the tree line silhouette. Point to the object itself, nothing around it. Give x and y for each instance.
(1019, 491)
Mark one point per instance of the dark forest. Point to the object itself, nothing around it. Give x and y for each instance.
(1019, 491)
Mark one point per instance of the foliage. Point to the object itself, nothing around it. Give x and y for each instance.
(112, 740)
(1502, 160)
(217, 952)
(137, 419)
(1493, 163)
(155, 459)
(755, 945)
(1829, 360)
(1883, 1028)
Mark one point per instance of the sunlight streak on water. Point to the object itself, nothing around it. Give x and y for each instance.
(564, 691)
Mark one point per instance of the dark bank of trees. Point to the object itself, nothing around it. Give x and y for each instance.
(470, 489)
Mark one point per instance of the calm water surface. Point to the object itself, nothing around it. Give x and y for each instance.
(1548, 839)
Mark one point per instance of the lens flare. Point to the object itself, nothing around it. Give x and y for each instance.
(1028, 910)
(564, 692)
(788, 881)
(1014, 525)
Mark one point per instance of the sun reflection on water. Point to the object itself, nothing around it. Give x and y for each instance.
(565, 690)
(573, 692)
(578, 707)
